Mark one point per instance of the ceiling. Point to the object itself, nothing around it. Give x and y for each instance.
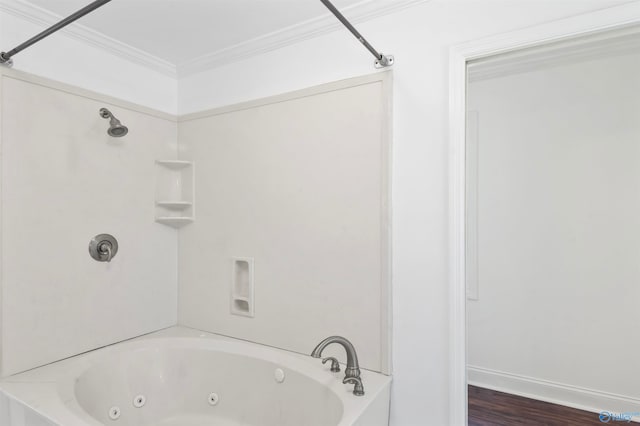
(183, 32)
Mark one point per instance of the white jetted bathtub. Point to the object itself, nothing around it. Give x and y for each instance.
(184, 377)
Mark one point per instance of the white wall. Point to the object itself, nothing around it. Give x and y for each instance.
(558, 229)
(419, 37)
(71, 61)
(64, 180)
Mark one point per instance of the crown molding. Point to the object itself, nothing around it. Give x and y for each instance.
(39, 16)
(357, 13)
(602, 45)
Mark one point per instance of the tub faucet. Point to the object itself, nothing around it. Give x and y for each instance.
(352, 372)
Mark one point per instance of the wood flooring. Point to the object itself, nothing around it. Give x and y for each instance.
(491, 408)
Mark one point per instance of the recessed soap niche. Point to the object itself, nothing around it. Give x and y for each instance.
(242, 287)
(174, 192)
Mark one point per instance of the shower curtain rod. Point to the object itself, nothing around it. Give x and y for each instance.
(5, 57)
(382, 61)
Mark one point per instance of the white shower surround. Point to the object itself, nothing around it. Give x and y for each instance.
(46, 341)
(176, 370)
(65, 183)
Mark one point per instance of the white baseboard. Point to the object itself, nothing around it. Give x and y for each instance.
(555, 393)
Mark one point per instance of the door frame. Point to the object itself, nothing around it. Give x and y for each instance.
(616, 17)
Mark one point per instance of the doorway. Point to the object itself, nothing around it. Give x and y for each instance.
(543, 174)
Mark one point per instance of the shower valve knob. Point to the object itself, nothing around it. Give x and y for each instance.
(103, 247)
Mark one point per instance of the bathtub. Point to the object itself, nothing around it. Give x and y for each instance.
(185, 377)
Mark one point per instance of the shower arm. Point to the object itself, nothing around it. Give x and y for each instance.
(5, 57)
(382, 61)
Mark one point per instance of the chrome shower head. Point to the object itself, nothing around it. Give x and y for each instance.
(116, 128)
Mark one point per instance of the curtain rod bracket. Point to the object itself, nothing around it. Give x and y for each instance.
(384, 61)
(7, 62)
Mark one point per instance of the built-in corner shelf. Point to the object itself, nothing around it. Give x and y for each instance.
(174, 164)
(175, 221)
(174, 204)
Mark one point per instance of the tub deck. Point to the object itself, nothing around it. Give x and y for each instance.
(45, 396)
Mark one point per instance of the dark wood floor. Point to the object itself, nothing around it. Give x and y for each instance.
(492, 408)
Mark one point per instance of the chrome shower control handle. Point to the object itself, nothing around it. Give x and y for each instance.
(335, 365)
(103, 247)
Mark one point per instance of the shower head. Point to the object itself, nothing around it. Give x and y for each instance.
(116, 128)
